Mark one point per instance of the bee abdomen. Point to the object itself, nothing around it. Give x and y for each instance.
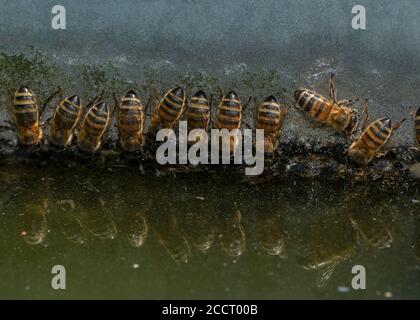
(377, 134)
(198, 115)
(25, 107)
(171, 107)
(93, 128)
(67, 113)
(314, 104)
(269, 116)
(417, 126)
(65, 119)
(230, 112)
(130, 122)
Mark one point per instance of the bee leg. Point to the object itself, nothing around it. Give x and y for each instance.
(247, 124)
(398, 124)
(220, 93)
(317, 125)
(43, 124)
(5, 128)
(247, 103)
(333, 91)
(48, 100)
(347, 102)
(365, 114)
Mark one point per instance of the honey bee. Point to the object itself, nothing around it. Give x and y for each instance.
(270, 117)
(201, 232)
(71, 225)
(417, 126)
(130, 119)
(374, 231)
(93, 127)
(100, 223)
(233, 240)
(168, 110)
(229, 115)
(64, 120)
(198, 112)
(173, 240)
(137, 229)
(272, 235)
(35, 227)
(372, 139)
(336, 114)
(26, 117)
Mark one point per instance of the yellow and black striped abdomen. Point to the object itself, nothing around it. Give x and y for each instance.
(198, 112)
(376, 135)
(96, 120)
(25, 107)
(269, 116)
(417, 126)
(171, 107)
(65, 119)
(130, 122)
(26, 117)
(93, 128)
(317, 106)
(230, 112)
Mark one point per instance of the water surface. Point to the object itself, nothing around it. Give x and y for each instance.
(120, 234)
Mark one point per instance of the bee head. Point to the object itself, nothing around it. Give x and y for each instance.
(353, 123)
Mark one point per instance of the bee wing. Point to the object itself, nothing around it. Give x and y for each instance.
(325, 275)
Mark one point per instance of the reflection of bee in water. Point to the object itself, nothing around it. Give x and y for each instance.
(324, 244)
(64, 120)
(198, 112)
(232, 236)
(372, 139)
(229, 115)
(35, 223)
(173, 240)
(100, 222)
(201, 232)
(70, 224)
(336, 114)
(130, 119)
(168, 110)
(326, 260)
(272, 236)
(137, 230)
(374, 231)
(270, 116)
(93, 127)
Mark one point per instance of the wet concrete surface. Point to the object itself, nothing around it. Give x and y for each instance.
(256, 48)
